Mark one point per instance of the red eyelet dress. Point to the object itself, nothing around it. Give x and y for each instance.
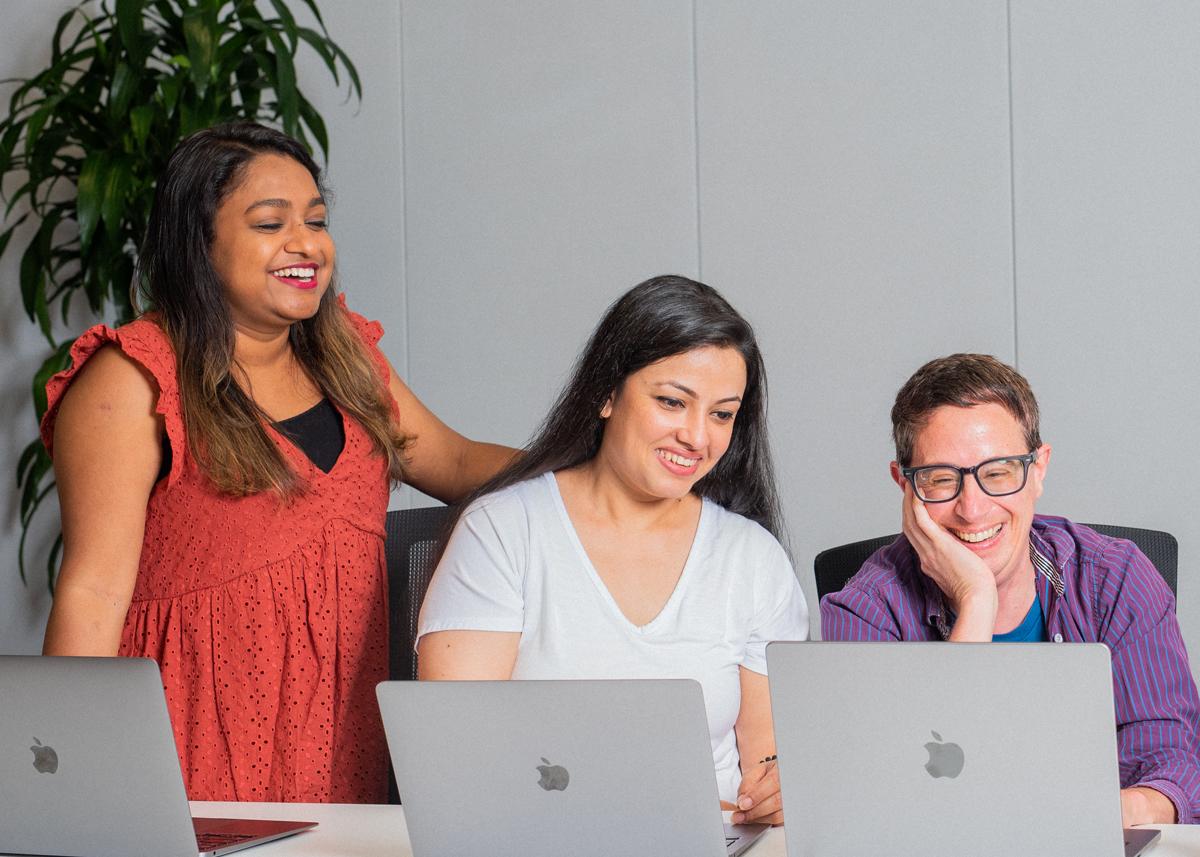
(269, 621)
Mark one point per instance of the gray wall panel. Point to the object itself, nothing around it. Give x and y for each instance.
(549, 166)
(1107, 190)
(855, 186)
(841, 170)
(24, 50)
(365, 156)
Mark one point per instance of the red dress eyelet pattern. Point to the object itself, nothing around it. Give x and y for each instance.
(268, 620)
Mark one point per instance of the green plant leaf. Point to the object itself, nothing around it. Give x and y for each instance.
(8, 142)
(39, 119)
(51, 366)
(141, 119)
(34, 503)
(91, 193)
(167, 11)
(120, 94)
(29, 491)
(7, 234)
(52, 562)
(116, 184)
(65, 302)
(312, 7)
(56, 40)
(288, 21)
(249, 86)
(35, 262)
(25, 190)
(315, 124)
(285, 86)
(198, 33)
(321, 46)
(129, 25)
(33, 279)
(169, 88)
(41, 310)
(232, 53)
(350, 69)
(28, 456)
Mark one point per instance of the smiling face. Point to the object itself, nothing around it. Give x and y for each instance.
(270, 246)
(994, 528)
(669, 423)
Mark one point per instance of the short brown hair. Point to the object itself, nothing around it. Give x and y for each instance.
(962, 380)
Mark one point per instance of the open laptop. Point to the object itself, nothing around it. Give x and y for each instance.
(553, 768)
(88, 766)
(948, 749)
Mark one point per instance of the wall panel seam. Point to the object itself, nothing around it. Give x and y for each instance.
(406, 371)
(1012, 188)
(696, 136)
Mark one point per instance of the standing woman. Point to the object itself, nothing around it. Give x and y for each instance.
(223, 468)
(637, 537)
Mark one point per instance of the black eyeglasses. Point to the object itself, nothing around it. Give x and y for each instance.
(997, 477)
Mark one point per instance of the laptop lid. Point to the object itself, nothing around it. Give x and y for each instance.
(88, 764)
(548, 768)
(918, 748)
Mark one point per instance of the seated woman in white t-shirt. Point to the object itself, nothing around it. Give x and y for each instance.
(637, 536)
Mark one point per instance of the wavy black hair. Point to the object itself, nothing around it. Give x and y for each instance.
(657, 319)
(226, 430)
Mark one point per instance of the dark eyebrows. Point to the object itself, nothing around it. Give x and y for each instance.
(282, 203)
(692, 392)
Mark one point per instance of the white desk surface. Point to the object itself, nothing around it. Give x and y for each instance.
(378, 830)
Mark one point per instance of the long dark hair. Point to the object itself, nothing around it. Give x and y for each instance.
(654, 320)
(225, 428)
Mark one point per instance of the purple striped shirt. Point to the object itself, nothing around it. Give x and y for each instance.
(1093, 589)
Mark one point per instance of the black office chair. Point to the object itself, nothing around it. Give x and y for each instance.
(410, 546)
(412, 540)
(835, 566)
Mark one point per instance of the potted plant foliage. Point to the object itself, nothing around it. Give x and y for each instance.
(85, 139)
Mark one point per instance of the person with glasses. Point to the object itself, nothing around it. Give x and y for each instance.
(975, 564)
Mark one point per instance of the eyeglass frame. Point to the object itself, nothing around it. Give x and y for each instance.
(1026, 460)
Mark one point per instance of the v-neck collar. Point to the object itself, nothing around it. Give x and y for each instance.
(669, 606)
(290, 447)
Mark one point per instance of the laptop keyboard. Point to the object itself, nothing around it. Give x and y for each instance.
(213, 841)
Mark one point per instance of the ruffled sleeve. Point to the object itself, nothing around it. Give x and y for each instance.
(370, 332)
(146, 344)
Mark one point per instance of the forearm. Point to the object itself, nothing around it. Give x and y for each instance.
(478, 462)
(84, 621)
(1157, 708)
(452, 473)
(975, 619)
(758, 798)
(1146, 805)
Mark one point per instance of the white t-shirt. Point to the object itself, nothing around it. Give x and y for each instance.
(515, 563)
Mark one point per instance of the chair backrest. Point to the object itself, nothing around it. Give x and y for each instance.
(835, 566)
(411, 546)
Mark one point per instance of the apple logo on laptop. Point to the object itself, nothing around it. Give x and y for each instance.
(945, 758)
(554, 777)
(45, 760)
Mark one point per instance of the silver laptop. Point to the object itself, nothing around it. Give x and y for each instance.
(992, 750)
(554, 768)
(88, 766)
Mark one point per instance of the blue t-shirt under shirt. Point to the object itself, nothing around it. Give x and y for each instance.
(1032, 628)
